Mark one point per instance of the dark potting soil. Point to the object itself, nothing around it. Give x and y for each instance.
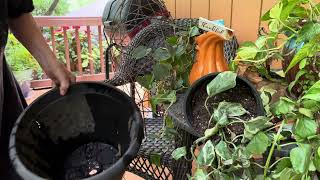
(89, 160)
(240, 94)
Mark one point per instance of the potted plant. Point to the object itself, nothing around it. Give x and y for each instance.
(200, 101)
(292, 38)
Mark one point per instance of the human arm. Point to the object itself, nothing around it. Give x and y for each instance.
(27, 32)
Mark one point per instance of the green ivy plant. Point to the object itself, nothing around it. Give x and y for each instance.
(294, 28)
(224, 156)
(170, 71)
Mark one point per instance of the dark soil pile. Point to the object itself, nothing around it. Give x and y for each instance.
(240, 94)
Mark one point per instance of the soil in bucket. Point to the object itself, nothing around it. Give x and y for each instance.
(240, 94)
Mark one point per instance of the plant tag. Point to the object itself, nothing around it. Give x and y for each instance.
(221, 30)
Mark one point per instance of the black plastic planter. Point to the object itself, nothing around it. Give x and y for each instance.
(194, 89)
(91, 133)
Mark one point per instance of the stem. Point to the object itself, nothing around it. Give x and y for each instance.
(273, 127)
(210, 120)
(288, 144)
(237, 137)
(275, 163)
(205, 104)
(225, 139)
(272, 150)
(294, 31)
(262, 167)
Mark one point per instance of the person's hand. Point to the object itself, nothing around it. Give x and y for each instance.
(61, 77)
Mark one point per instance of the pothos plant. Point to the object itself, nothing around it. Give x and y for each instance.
(170, 71)
(224, 156)
(294, 28)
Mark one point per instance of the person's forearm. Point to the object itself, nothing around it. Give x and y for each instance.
(27, 32)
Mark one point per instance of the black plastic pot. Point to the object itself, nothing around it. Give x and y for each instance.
(92, 133)
(187, 106)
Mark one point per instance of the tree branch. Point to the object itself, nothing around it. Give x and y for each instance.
(52, 7)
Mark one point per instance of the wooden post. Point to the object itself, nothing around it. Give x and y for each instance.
(53, 41)
(90, 50)
(66, 48)
(103, 70)
(78, 51)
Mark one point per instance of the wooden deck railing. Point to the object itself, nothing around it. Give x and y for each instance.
(86, 24)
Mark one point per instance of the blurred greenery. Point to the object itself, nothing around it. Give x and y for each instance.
(19, 58)
(22, 63)
(42, 6)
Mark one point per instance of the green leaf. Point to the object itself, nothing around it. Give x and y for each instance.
(194, 31)
(233, 66)
(266, 16)
(222, 82)
(145, 81)
(313, 93)
(316, 160)
(312, 167)
(275, 12)
(265, 98)
(283, 106)
(227, 109)
(220, 116)
(206, 155)
(253, 126)
(306, 112)
(180, 50)
(303, 63)
(85, 64)
(200, 175)
(161, 71)
(161, 54)
(301, 54)
(284, 163)
(179, 153)
(156, 159)
(305, 127)
(258, 144)
(140, 52)
(287, 9)
(173, 40)
(308, 32)
(274, 25)
(298, 76)
(210, 132)
(223, 151)
(248, 52)
(261, 41)
(285, 174)
(168, 97)
(300, 158)
(169, 122)
(235, 109)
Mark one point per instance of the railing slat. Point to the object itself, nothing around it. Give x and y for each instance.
(90, 50)
(46, 21)
(103, 70)
(66, 46)
(53, 43)
(78, 51)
